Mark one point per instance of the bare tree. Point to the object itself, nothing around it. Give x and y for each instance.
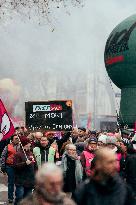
(40, 9)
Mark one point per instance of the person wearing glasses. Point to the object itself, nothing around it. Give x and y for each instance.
(72, 169)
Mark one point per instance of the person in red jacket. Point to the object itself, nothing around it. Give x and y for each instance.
(7, 164)
(87, 156)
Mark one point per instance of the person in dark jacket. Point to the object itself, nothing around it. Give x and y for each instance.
(25, 167)
(131, 167)
(72, 169)
(104, 187)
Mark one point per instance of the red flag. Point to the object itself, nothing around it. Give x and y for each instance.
(6, 126)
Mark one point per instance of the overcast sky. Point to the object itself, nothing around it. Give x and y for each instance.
(75, 46)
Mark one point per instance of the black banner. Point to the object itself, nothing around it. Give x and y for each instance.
(49, 115)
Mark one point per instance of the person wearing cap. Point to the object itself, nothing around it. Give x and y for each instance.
(111, 143)
(102, 140)
(88, 155)
(25, 167)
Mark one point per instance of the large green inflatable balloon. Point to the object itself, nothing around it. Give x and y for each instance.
(120, 62)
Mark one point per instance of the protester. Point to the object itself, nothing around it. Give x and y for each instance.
(105, 186)
(131, 168)
(87, 156)
(124, 152)
(41, 152)
(102, 140)
(25, 167)
(38, 136)
(81, 131)
(48, 188)
(72, 169)
(74, 134)
(7, 158)
(112, 144)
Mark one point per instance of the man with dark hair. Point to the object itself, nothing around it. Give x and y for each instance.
(7, 164)
(25, 167)
(104, 186)
(81, 131)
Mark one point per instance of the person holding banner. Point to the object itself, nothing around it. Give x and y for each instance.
(7, 158)
(25, 167)
(45, 152)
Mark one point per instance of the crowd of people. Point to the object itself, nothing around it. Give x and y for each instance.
(81, 167)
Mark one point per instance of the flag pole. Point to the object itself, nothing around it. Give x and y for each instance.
(22, 148)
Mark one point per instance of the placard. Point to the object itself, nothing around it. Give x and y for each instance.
(49, 115)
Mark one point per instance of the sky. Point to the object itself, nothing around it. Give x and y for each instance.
(71, 46)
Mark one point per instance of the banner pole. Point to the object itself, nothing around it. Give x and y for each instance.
(22, 148)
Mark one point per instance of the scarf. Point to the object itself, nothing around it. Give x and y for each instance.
(78, 167)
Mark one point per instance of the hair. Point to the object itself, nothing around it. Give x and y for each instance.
(39, 133)
(46, 170)
(13, 136)
(69, 145)
(100, 154)
(44, 137)
(17, 128)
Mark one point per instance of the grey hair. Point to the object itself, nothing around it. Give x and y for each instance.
(69, 145)
(46, 170)
(39, 133)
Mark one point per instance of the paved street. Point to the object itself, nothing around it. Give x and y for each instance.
(3, 189)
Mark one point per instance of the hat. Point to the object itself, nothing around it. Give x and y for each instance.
(24, 141)
(82, 128)
(102, 138)
(126, 132)
(93, 132)
(48, 133)
(92, 139)
(111, 140)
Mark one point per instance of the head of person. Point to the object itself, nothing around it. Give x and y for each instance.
(14, 139)
(81, 131)
(26, 143)
(75, 132)
(125, 134)
(123, 146)
(49, 180)
(44, 141)
(49, 135)
(105, 163)
(92, 144)
(102, 140)
(71, 150)
(93, 133)
(111, 143)
(38, 136)
(30, 136)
